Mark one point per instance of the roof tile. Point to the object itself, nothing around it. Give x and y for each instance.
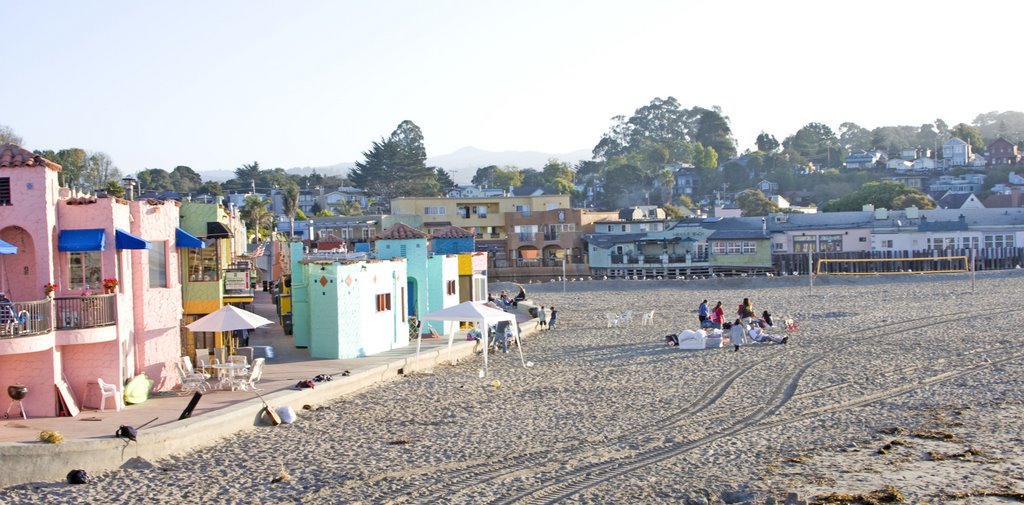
(400, 231)
(452, 232)
(15, 156)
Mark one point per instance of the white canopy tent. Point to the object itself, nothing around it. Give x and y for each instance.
(473, 312)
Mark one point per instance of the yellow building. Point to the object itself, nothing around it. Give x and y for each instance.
(484, 216)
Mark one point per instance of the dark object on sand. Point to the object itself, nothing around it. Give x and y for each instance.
(78, 477)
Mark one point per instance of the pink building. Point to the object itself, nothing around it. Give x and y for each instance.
(114, 310)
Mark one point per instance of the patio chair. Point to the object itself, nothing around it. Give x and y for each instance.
(248, 352)
(648, 319)
(626, 317)
(110, 391)
(203, 361)
(190, 383)
(238, 359)
(255, 374)
(612, 319)
(186, 365)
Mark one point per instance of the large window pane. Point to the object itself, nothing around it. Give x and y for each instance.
(84, 271)
(158, 264)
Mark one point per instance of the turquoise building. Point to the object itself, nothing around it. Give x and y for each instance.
(433, 280)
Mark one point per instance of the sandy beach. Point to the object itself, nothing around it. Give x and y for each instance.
(906, 385)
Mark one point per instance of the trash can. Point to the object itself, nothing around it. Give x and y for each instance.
(286, 322)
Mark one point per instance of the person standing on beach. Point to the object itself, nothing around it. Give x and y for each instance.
(542, 318)
(736, 335)
(702, 312)
(551, 322)
(746, 312)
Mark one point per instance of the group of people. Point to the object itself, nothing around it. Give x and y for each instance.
(746, 325)
(542, 318)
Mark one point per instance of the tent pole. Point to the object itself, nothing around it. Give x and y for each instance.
(451, 338)
(419, 341)
(519, 344)
(487, 335)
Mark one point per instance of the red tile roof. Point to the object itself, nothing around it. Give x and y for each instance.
(14, 156)
(400, 232)
(452, 232)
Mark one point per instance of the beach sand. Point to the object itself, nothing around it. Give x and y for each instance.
(906, 384)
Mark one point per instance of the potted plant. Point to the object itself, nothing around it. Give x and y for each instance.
(48, 289)
(109, 285)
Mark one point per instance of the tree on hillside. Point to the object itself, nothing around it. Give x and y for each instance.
(211, 188)
(1008, 125)
(114, 188)
(710, 128)
(72, 163)
(185, 180)
(154, 179)
(245, 175)
(558, 175)
(881, 194)
(493, 176)
(7, 136)
(99, 169)
(969, 134)
(817, 143)
(753, 203)
(444, 181)
(767, 143)
(396, 166)
(852, 137)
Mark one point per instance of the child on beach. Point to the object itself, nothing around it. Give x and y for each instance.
(736, 335)
(542, 318)
(551, 322)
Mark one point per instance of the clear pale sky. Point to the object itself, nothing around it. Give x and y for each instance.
(215, 84)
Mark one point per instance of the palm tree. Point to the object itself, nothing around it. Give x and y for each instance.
(255, 214)
(290, 204)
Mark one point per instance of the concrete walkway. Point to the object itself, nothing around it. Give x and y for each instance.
(88, 438)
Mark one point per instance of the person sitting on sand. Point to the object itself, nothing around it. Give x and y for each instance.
(757, 334)
(718, 316)
(474, 334)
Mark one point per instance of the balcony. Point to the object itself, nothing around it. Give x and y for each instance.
(25, 319)
(85, 311)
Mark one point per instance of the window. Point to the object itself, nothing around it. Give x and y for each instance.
(158, 264)
(203, 265)
(5, 191)
(463, 211)
(84, 270)
(830, 243)
(971, 242)
(384, 302)
(451, 287)
(479, 289)
(733, 247)
(887, 244)
(481, 211)
(805, 244)
(998, 241)
(434, 211)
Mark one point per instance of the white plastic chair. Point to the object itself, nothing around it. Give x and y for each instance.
(626, 317)
(203, 361)
(186, 365)
(110, 391)
(255, 373)
(648, 319)
(613, 319)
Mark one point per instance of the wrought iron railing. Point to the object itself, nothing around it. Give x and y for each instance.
(85, 311)
(24, 319)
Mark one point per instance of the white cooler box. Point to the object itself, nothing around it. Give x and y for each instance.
(714, 339)
(689, 339)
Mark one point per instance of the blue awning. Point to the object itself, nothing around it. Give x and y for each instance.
(81, 240)
(6, 248)
(183, 238)
(125, 240)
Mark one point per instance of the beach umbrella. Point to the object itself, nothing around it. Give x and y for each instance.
(229, 318)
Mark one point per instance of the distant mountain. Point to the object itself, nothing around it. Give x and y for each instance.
(462, 163)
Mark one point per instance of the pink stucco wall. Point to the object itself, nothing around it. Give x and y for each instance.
(158, 310)
(28, 223)
(86, 362)
(37, 372)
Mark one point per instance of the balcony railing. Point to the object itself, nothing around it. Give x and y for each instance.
(85, 311)
(24, 319)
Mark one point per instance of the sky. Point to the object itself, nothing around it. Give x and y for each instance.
(214, 85)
